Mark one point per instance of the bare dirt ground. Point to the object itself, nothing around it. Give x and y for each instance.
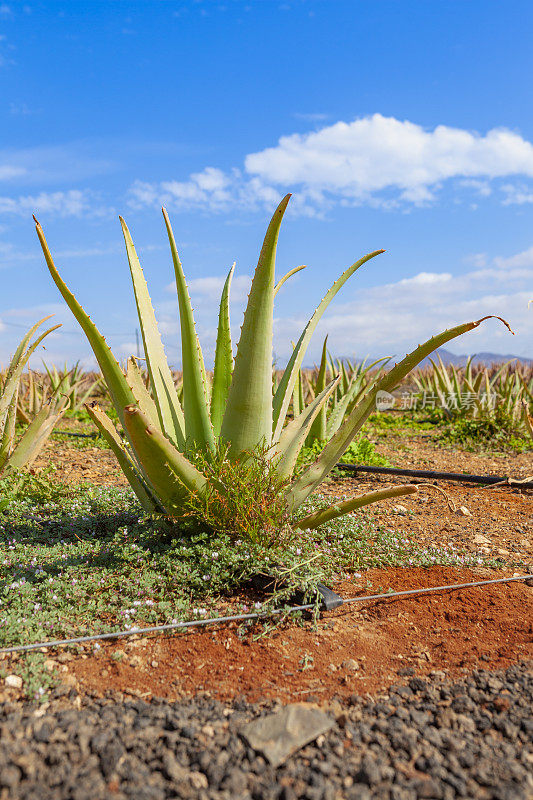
(496, 521)
(354, 650)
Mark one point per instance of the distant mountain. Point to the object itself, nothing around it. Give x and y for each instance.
(486, 359)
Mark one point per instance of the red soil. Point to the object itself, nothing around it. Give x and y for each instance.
(354, 650)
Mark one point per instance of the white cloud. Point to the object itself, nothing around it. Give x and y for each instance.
(20, 110)
(7, 172)
(426, 279)
(212, 190)
(476, 259)
(377, 160)
(210, 288)
(9, 253)
(483, 188)
(523, 259)
(392, 319)
(73, 203)
(387, 319)
(377, 153)
(317, 117)
(516, 195)
(64, 163)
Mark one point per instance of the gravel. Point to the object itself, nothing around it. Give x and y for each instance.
(431, 738)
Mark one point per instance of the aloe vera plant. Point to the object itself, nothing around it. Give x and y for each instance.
(70, 388)
(242, 414)
(482, 392)
(77, 386)
(354, 381)
(15, 455)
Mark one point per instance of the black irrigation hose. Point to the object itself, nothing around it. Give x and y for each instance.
(73, 433)
(439, 588)
(488, 480)
(152, 629)
(242, 617)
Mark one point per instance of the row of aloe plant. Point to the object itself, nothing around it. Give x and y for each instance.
(169, 446)
(478, 391)
(352, 381)
(74, 386)
(17, 453)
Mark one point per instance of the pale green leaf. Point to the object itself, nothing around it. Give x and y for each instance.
(198, 428)
(286, 385)
(164, 391)
(247, 422)
(223, 367)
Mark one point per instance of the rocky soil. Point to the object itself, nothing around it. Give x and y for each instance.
(431, 738)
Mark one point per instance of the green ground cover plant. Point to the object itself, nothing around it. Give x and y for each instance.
(82, 560)
(496, 432)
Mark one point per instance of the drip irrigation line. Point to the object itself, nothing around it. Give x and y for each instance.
(443, 476)
(243, 617)
(154, 628)
(436, 589)
(73, 433)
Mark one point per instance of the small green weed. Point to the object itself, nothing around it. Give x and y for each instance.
(406, 423)
(245, 499)
(307, 662)
(360, 451)
(498, 432)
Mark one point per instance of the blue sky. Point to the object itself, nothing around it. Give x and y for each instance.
(403, 125)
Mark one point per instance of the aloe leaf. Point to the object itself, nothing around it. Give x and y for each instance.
(336, 417)
(331, 365)
(312, 521)
(164, 391)
(475, 394)
(296, 405)
(301, 399)
(8, 435)
(23, 358)
(527, 419)
(117, 384)
(294, 434)
(14, 371)
(247, 421)
(345, 379)
(134, 478)
(284, 391)
(317, 430)
(172, 475)
(198, 428)
(223, 359)
(312, 477)
(286, 277)
(527, 390)
(24, 343)
(34, 438)
(143, 397)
